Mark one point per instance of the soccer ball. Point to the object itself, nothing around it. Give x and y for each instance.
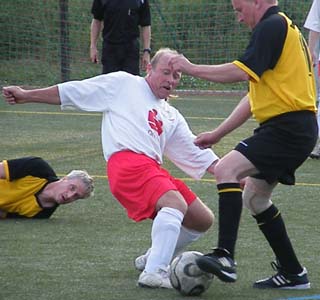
(185, 275)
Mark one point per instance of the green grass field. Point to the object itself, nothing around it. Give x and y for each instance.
(86, 250)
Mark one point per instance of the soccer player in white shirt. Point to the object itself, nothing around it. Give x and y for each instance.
(138, 128)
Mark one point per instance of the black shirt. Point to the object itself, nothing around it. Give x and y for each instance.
(266, 43)
(121, 18)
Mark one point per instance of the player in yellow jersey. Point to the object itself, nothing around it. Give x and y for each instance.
(29, 188)
(281, 96)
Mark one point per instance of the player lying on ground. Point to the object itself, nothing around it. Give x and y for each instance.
(29, 188)
(139, 127)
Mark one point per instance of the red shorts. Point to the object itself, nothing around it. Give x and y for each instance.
(138, 182)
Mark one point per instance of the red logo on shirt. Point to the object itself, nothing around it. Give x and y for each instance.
(154, 123)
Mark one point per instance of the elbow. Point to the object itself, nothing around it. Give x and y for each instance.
(239, 74)
(244, 76)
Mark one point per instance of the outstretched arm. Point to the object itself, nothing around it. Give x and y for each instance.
(223, 73)
(239, 115)
(17, 95)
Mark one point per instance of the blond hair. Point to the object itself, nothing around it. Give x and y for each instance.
(85, 178)
(162, 51)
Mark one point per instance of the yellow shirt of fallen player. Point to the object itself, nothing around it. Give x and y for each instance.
(23, 180)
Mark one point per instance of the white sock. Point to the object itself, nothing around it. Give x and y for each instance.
(164, 235)
(186, 237)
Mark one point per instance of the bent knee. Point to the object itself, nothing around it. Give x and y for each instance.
(205, 222)
(172, 199)
(254, 201)
(225, 172)
(198, 217)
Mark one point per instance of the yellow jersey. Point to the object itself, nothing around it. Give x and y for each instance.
(279, 64)
(24, 179)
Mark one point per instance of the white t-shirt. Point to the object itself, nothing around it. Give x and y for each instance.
(313, 19)
(134, 119)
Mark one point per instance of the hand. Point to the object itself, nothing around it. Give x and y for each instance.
(13, 94)
(94, 55)
(315, 59)
(180, 63)
(145, 60)
(206, 139)
(243, 182)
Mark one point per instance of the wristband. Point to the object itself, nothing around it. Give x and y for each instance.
(147, 50)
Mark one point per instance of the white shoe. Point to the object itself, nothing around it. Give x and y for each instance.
(141, 261)
(316, 151)
(159, 279)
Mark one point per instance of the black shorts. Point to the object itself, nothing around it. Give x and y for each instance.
(280, 145)
(121, 57)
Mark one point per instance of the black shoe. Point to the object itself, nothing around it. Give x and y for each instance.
(283, 280)
(218, 263)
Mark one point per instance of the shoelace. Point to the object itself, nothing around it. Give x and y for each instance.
(164, 273)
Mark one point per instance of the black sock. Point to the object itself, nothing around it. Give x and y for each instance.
(230, 208)
(272, 226)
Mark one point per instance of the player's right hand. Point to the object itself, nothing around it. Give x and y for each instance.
(12, 94)
(180, 63)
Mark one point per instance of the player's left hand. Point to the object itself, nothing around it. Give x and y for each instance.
(206, 139)
(145, 60)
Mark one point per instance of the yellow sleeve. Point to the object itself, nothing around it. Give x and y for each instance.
(253, 76)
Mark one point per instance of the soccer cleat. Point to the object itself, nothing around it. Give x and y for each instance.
(141, 261)
(283, 280)
(218, 263)
(316, 151)
(159, 279)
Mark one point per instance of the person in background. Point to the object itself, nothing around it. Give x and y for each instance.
(312, 23)
(29, 188)
(139, 128)
(122, 23)
(277, 65)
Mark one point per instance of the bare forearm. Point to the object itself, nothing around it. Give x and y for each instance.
(146, 36)
(95, 30)
(313, 41)
(2, 173)
(17, 95)
(239, 115)
(49, 95)
(225, 73)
